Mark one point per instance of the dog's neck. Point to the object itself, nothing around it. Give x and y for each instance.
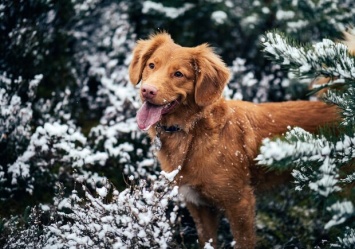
(192, 115)
(176, 133)
(182, 119)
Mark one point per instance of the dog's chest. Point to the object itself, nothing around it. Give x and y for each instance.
(190, 151)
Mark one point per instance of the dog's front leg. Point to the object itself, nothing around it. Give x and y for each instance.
(206, 221)
(241, 216)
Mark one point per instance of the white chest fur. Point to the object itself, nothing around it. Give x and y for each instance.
(191, 195)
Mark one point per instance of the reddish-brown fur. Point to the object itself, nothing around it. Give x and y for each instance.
(219, 139)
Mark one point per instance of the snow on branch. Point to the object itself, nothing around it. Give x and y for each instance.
(346, 102)
(169, 12)
(316, 161)
(325, 58)
(296, 143)
(347, 241)
(302, 150)
(140, 216)
(51, 144)
(134, 218)
(341, 212)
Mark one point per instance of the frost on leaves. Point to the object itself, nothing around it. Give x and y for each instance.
(133, 218)
(141, 216)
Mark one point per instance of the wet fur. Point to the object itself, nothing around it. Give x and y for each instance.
(219, 139)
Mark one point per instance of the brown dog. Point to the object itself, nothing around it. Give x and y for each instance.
(214, 140)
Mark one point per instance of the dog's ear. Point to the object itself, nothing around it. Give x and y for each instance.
(211, 75)
(142, 52)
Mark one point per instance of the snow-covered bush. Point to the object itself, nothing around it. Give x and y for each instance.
(67, 108)
(104, 55)
(347, 241)
(15, 129)
(137, 217)
(322, 163)
(59, 144)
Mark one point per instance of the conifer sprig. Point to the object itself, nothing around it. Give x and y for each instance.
(317, 161)
(326, 58)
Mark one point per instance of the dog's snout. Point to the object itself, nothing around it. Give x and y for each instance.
(149, 91)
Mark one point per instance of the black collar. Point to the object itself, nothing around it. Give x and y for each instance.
(168, 129)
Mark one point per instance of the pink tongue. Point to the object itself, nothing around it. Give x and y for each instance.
(148, 115)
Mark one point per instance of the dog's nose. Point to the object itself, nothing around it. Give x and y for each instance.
(149, 91)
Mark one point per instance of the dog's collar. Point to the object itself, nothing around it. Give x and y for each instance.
(169, 129)
(163, 128)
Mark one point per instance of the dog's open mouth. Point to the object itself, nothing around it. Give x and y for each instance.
(149, 114)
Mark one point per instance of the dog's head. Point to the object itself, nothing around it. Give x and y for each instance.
(172, 75)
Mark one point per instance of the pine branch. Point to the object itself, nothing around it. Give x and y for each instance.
(346, 102)
(315, 159)
(347, 241)
(297, 143)
(325, 58)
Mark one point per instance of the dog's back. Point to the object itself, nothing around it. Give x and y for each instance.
(268, 120)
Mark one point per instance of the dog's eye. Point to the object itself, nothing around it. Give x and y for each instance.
(151, 65)
(178, 74)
